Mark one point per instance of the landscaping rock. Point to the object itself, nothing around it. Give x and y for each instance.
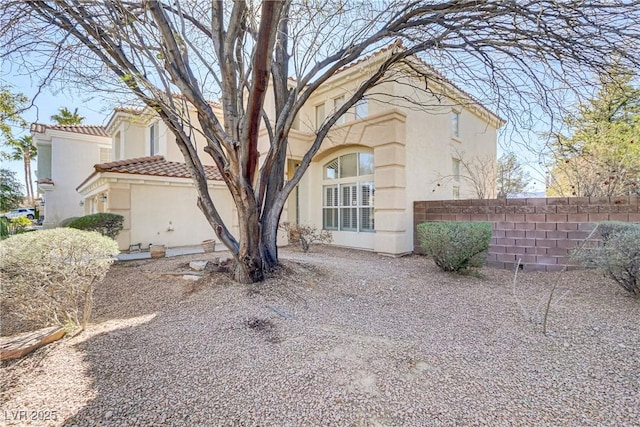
(198, 265)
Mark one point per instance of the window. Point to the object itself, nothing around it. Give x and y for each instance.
(455, 124)
(330, 208)
(331, 169)
(349, 165)
(319, 115)
(456, 192)
(455, 169)
(348, 202)
(361, 108)
(337, 103)
(154, 139)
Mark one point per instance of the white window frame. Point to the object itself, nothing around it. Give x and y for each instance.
(355, 205)
(455, 124)
(338, 101)
(455, 169)
(361, 108)
(456, 192)
(154, 139)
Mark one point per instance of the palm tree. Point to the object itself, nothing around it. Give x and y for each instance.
(66, 117)
(23, 149)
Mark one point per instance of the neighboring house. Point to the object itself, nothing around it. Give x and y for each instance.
(66, 155)
(380, 157)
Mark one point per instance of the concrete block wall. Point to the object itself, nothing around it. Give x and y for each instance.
(540, 232)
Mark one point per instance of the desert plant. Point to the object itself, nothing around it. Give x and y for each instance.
(455, 246)
(17, 225)
(306, 235)
(617, 254)
(48, 276)
(107, 224)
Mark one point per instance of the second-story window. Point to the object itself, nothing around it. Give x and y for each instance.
(361, 108)
(337, 103)
(319, 115)
(455, 169)
(455, 124)
(154, 139)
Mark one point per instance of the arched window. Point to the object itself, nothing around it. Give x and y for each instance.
(347, 194)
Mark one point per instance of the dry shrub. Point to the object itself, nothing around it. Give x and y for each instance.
(455, 246)
(306, 235)
(617, 253)
(48, 276)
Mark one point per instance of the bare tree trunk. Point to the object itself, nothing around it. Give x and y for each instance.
(249, 265)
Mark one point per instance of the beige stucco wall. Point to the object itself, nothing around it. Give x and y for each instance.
(72, 158)
(157, 210)
(135, 135)
(412, 142)
(133, 142)
(413, 145)
(128, 136)
(168, 214)
(431, 146)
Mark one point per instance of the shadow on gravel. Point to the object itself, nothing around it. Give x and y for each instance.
(377, 342)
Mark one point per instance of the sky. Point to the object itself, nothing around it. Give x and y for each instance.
(47, 103)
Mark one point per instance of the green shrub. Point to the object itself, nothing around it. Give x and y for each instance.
(17, 225)
(4, 227)
(617, 254)
(48, 276)
(455, 246)
(107, 224)
(65, 222)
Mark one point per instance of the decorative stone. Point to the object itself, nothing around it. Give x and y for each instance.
(157, 251)
(198, 265)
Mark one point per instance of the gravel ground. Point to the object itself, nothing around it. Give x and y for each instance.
(343, 338)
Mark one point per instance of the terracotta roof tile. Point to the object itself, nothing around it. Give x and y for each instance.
(397, 44)
(155, 166)
(83, 129)
(129, 110)
(45, 181)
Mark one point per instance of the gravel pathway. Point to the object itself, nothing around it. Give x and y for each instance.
(342, 338)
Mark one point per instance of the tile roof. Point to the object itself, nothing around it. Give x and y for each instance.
(395, 44)
(82, 129)
(45, 181)
(155, 166)
(129, 110)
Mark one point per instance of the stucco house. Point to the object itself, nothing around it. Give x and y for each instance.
(66, 155)
(387, 152)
